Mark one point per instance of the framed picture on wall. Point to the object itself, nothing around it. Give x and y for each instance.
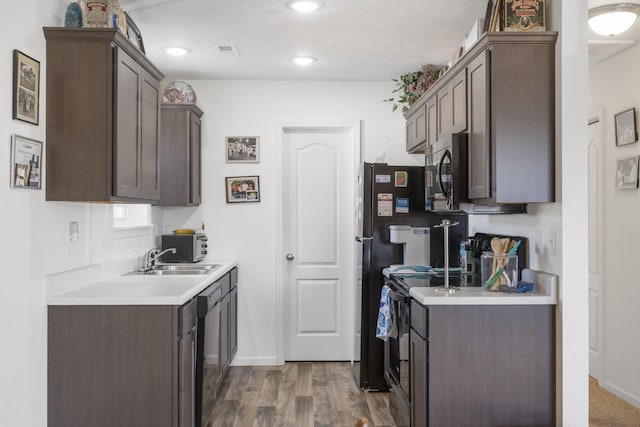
(627, 173)
(625, 124)
(243, 189)
(26, 162)
(26, 88)
(243, 149)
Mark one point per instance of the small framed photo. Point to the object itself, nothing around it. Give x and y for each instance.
(401, 178)
(243, 189)
(627, 173)
(26, 88)
(243, 149)
(26, 162)
(625, 123)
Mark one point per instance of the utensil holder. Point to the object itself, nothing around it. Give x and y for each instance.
(498, 269)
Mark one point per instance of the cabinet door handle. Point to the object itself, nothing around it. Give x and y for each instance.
(290, 256)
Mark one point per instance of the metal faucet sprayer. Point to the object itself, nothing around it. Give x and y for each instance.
(149, 258)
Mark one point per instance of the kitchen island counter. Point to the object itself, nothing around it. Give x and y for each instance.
(545, 293)
(484, 358)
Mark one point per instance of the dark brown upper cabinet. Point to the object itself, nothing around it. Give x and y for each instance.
(502, 93)
(180, 155)
(479, 174)
(416, 131)
(103, 118)
(432, 120)
(520, 113)
(438, 115)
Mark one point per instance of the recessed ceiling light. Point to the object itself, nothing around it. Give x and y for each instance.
(304, 6)
(176, 51)
(304, 60)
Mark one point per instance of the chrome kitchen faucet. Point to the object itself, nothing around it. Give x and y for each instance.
(149, 258)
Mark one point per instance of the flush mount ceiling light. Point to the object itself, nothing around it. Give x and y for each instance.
(176, 51)
(613, 19)
(304, 6)
(303, 60)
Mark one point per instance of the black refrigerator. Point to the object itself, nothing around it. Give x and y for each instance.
(392, 195)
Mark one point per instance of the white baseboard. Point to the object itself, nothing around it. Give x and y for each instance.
(254, 361)
(621, 393)
(595, 365)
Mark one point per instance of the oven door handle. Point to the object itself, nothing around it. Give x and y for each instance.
(402, 299)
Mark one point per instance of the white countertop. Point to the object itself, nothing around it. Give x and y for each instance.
(544, 293)
(141, 289)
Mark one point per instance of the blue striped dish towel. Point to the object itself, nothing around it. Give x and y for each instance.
(386, 326)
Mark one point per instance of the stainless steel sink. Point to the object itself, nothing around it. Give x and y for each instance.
(183, 272)
(177, 270)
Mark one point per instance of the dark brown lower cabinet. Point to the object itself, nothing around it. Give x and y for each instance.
(187, 365)
(419, 371)
(121, 365)
(233, 322)
(229, 326)
(224, 335)
(483, 365)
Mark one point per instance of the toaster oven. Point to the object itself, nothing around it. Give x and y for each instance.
(189, 247)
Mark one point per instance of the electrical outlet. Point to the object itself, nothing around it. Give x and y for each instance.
(73, 237)
(74, 231)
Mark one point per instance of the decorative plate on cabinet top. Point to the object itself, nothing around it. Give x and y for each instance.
(179, 92)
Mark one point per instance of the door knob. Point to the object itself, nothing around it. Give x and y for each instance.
(290, 256)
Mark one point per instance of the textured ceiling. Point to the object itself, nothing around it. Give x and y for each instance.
(352, 39)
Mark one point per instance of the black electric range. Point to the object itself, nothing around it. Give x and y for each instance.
(421, 280)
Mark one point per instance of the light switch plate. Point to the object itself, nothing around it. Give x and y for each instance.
(551, 242)
(538, 242)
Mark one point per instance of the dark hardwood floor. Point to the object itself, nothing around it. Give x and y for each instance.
(298, 394)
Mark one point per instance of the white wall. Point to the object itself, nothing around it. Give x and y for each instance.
(545, 218)
(613, 86)
(248, 231)
(34, 240)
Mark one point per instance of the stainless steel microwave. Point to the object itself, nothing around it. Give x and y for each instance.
(445, 177)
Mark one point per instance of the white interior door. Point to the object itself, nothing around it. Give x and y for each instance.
(596, 206)
(318, 209)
